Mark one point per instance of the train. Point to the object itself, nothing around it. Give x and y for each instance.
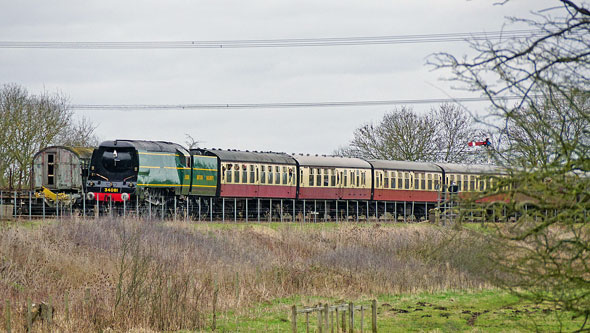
(159, 172)
(162, 173)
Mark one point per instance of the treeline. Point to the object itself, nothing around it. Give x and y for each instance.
(29, 122)
(441, 135)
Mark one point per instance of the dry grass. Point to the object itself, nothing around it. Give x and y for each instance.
(122, 275)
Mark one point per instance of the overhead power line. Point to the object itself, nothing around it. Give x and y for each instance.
(259, 43)
(136, 107)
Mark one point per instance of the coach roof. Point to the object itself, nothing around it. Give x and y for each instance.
(473, 168)
(247, 156)
(331, 162)
(81, 152)
(404, 165)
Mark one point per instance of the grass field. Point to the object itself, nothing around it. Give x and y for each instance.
(122, 275)
(479, 311)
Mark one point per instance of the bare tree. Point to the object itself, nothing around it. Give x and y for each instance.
(546, 135)
(441, 135)
(28, 122)
(191, 142)
(400, 135)
(455, 128)
(78, 134)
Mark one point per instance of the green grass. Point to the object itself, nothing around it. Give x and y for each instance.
(24, 223)
(482, 311)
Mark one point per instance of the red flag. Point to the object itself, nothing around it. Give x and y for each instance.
(479, 143)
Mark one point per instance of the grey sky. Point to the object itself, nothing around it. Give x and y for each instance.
(310, 74)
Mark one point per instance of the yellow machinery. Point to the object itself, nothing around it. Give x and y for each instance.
(51, 197)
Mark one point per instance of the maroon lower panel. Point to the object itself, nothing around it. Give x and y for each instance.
(405, 195)
(257, 191)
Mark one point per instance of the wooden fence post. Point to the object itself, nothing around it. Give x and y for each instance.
(337, 320)
(351, 316)
(326, 315)
(294, 318)
(362, 319)
(344, 321)
(320, 321)
(49, 313)
(332, 321)
(374, 316)
(307, 322)
(8, 321)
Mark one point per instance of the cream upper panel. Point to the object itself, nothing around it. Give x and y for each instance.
(257, 174)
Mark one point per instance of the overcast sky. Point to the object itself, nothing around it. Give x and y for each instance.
(245, 75)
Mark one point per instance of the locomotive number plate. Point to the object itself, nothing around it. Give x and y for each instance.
(111, 190)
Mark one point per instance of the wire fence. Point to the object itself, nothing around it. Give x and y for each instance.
(35, 205)
(334, 318)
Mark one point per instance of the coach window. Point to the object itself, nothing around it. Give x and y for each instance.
(406, 181)
(269, 175)
(263, 175)
(318, 177)
(386, 182)
(436, 178)
(393, 178)
(472, 183)
(344, 179)
(251, 174)
(50, 169)
(332, 177)
(377, 179)
(311, 176)
(459, 182)
(228, 175)
(429, 181)
(285, 176)
(482, 182)
(237, 173)
(244, 174)
(465, 183)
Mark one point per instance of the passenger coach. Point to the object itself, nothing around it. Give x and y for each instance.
(333, 178)
(245, 174)
(406, 181)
